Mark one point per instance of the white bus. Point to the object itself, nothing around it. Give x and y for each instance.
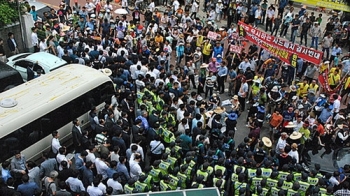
(47, 103)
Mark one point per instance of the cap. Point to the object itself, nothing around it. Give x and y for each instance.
(53, 174)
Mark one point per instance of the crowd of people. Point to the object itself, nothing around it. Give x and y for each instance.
(166, 129)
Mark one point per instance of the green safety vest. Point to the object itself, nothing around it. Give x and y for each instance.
(291, 192)
(174, 181)
(188, 171)
(323, 191)
(271, 182)
(141, 187)
(183, 178)
(219, 167)
(128, 189)
(171, 119)
(164, 167)
(148, 180)
(223, 182)
(312, 181)
(297, 176)
(283, 175)
(171, 161)
(234, 177)
(160, 104)
(287, 185)
(251, 173)
(200, 186)
(256, 181)
(236, 166)
(266, 172)
(265, 191)
(239, 185)
(274, 191)
(210, 170)
(139, 97)
(155, 175)
(168, 136)
(204, 174)
(304, 186)
(164, 186)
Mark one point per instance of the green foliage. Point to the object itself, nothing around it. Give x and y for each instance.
(8, 12)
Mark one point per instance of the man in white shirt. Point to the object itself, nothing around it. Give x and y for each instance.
(135, 168)
(152, 6)
(244, 65)
(35, 40)
(113, 182)
(61, 156)
(194, 8)
(55, 143)
(282, 142)
(93, 190)
(176, 5)
(91, 154)
(336, 105)
(101, 165)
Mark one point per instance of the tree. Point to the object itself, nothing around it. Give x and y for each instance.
(8, 12)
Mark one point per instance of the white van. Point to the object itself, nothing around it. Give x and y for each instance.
(45, 62)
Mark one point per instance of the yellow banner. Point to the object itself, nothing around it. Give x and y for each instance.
(331, 4)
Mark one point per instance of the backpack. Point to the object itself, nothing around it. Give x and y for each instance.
(46, 191)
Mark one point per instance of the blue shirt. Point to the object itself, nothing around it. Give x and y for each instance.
(34, 14)
(121, 169)
(144, 124)
(336, 50)
(180, 50)
(5, 174)
(28, 189)
(232, 74)
(222, 71)
(217, 51)
(325, 114)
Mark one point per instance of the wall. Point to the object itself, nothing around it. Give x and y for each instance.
(16, 30)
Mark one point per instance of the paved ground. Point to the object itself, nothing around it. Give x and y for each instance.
(242, 129)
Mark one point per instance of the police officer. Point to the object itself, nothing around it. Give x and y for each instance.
(185, 180)
(156, 172)
(129, 188)
(164, 165)
(164, 183)
(141, 185)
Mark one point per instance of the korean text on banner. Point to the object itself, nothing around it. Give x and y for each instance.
(335, 5)
(212, 35)
(235, 49)
(284, 50)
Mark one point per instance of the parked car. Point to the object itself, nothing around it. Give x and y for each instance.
(43, 61)
(9, 77)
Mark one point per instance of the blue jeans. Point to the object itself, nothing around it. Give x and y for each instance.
(324, 50)
(292, 36)
(314, 43)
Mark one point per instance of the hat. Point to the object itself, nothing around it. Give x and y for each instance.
(204, 65)
(294, 97)
(295, 135)
(218, 56)
(326, 62)
(267, 142)
(300, 106)
(312, 91)
(209, 22)
(106, 71)
(219, 1)
(235, 97)
(214, 95)
(66, 28)
(209, 113)
(108, 10)
(274, 89)
(88, 28)
(103, 10)
(257, 81)
(232, 116)
(290, 125)
(219, 110)
(53, 174)
(221, 29)
(92, 16)
(323, 95)
(261, 109)
(293, 88)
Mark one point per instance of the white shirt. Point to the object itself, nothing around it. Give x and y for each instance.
(156, 147)
(176, 5)
(90, 157)
(151, 6)
(336, 106)
(55, 145)
(179, 114)
(43, 46)
(101, 167)
(124, 3)
(115, 185)
(298, 125)
(135, 169)
(194, 7)
(60, 158)
(280, 145)
(35, 40)
(295, 155)
(270, 13)
(94, 191)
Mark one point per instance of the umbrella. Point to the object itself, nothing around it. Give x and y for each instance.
(121, 11)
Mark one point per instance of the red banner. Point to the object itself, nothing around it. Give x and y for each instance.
(323, 80)
(212, 35)
(284, 50)
(235, 49)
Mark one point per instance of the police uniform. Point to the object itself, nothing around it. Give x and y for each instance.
(183, 178)
(266, 172)
(141, 187)
(239, 185)
(174, 182)
(129, 189)
(156, 174)
(164, 186)
(164, 167)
